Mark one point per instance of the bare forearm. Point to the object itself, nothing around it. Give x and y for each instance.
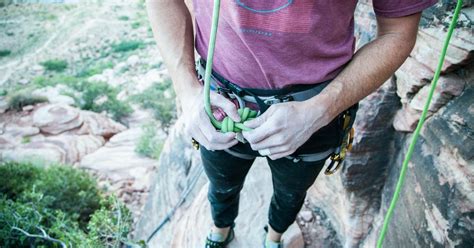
(370, 67)
(173, 31)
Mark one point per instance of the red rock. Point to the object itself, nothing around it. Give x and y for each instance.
(56, 118)
(430, 42)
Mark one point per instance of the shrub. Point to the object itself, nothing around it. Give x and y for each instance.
(124, 18)
(23, 98)
(4, 53)
(94, 69)
(126, 46)
(57, 65)
(160, 99)
(92, 92)
(42, 207)
(149, 144)
(136, 25)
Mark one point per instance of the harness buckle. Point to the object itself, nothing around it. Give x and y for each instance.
(278, 99)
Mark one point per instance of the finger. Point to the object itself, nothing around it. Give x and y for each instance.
(260, 133)
(256, 122)
(273, 141)
(227, 106)
(213, 146)
(212, 134)
(279, 155)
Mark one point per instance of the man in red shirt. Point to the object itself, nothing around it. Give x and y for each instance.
(275, 49)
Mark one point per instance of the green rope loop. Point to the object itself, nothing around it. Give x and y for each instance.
(228, 125)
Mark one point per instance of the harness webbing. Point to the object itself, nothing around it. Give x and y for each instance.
(403, 171)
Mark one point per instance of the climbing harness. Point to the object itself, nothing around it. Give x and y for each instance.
(411, 148)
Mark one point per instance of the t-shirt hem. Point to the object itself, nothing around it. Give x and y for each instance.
(405, 11)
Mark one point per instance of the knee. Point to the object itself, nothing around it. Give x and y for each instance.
(290, 198)
(223, 193)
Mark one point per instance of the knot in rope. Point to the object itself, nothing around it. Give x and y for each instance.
(229, 125)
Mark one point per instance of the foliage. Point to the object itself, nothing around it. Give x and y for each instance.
(124, 18)
(94, 69)
(4, 53)
(61, 186)
(57, 65)
(136, 25)
(93, 96)
(49, 207)
(159, 98)
(23, 98)
(127, 45)
(100, 96)
(149, 144)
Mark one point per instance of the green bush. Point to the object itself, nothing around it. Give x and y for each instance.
(57, 65)
(94, 69)
(136, 25)
(91, 92)
(149, 144)
(155, 98)
(61, 186)
(126, 46)
(23, 98)
(4, 53)
(124, 18)
(48, 207)
(87, 93)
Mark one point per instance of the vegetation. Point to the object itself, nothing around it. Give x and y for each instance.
(57, 65)
(124, 18)
(94, 96)
(23, 98)
(126, 46)
(149, 144)
(95, 69)
(159, 98)
(4, 53)
(58, 206)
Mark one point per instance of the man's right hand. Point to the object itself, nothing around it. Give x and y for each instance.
(199, 126)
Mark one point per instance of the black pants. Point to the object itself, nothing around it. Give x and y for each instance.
(291, 180)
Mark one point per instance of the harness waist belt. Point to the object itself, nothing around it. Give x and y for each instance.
(219, 82)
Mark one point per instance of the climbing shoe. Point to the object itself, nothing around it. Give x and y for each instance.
(268, 243)
(215, 240)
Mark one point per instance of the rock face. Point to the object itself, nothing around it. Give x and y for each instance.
(53, 133)
(436, 206)
(178, 201)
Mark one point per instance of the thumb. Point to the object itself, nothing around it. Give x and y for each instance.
(226, 105)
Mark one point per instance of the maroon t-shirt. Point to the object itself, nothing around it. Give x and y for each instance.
(273, 44)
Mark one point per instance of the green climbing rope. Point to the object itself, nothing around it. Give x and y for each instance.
(403, 171)
(227, 124)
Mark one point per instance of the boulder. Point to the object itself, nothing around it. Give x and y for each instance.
(56, 118)
(98, 124)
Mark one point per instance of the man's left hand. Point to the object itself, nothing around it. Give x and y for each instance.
(284, 127)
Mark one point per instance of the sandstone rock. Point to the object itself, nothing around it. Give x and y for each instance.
(126, 171)
(97, 124)
(56, 118)
(22, 131)
(410, 77)
(54, 94)
(447, 87)
(406, 119)
(36, 152)
(3, 105)
(133, 60)
(430, 41)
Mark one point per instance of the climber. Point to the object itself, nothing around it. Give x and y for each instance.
(298, 56)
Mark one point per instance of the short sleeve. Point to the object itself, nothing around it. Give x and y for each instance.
(399, 8)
